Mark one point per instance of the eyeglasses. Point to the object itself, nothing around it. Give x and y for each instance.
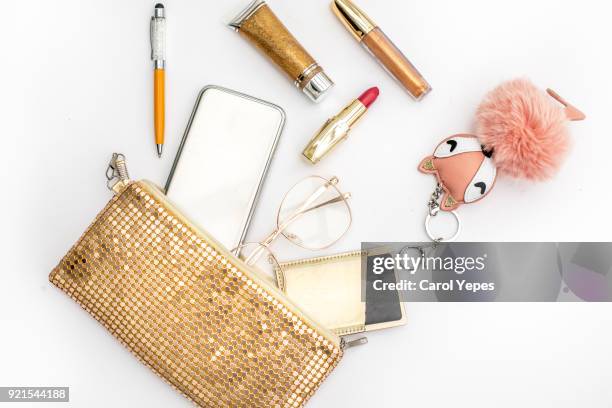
(313, 215)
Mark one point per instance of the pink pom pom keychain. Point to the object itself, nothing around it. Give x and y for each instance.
(521, 132)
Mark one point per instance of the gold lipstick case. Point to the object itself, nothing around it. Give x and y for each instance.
(334, 131)
(381, 47)
(260, 26)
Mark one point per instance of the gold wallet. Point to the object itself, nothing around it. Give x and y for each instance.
(330, 290)
(186, 307)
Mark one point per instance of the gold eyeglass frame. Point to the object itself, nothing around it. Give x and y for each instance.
(304, 208)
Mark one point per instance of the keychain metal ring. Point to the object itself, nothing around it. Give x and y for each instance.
(440, 239)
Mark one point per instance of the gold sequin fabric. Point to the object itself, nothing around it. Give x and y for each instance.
(192, 312)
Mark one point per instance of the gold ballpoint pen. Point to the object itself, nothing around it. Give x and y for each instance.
(158, 55)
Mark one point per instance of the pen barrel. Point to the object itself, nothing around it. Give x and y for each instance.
(159, 101)
(394, 61)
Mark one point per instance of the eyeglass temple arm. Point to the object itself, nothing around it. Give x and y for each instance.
(256, 254)
(304, 208)
(344, 197)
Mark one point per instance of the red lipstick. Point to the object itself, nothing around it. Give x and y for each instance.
(336, 129)
(369, 96)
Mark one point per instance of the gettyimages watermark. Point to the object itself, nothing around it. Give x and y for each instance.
(488, 272)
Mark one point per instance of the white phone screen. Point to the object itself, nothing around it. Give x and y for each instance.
(223, 160)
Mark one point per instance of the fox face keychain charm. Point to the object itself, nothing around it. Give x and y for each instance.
(521, 132)
(464, 170)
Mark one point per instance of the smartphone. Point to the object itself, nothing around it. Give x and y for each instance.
(223, 160)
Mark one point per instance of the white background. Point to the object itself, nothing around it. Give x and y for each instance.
(77, 85)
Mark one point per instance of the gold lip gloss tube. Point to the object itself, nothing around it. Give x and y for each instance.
(260, 26)
(381, 47)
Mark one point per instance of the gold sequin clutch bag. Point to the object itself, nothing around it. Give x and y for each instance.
(195, 314)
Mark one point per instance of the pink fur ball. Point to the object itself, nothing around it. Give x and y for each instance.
(525, 129)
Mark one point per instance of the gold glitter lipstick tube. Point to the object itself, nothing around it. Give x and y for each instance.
(260, 26)
(381, 47)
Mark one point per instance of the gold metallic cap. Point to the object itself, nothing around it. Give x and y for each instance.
(355, 20)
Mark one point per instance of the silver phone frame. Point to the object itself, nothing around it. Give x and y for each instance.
(262, 176)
